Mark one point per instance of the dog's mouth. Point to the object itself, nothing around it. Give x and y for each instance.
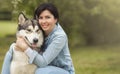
(32, 45)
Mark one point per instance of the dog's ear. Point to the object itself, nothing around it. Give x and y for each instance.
(36, 17)
(21, 18)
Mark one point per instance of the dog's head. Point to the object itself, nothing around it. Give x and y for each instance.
(30, 30)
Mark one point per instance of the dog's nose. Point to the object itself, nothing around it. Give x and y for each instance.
(35, 40)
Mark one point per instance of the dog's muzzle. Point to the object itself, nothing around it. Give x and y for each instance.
(35, 40)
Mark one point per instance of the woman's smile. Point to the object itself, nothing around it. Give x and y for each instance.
(47, 21)
(44, 26)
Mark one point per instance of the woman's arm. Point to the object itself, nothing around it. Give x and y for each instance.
(7, 61)
(50, 53)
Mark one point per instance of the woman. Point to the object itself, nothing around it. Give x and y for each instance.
(56, 58)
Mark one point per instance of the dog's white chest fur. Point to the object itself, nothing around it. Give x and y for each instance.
(20, 64)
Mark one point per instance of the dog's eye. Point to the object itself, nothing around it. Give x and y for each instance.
(29, 30)
(38, 31)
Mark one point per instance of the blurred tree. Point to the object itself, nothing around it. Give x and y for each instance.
(85, 21)
(102, 21)
(26, 6)
(5, 10)
(5, 5)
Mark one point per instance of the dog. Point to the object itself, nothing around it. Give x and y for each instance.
(32, 33)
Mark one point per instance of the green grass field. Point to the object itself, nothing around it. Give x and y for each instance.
(87, 60)
(7, 28)
(97, 60)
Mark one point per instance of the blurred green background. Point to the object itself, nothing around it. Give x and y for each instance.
(92, 26)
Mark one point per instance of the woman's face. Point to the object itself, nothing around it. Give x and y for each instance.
(47, 21)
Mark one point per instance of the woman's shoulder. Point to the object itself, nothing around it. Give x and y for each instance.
(57, 33)
(59, 30)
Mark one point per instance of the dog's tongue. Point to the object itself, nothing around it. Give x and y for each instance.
(34, 45)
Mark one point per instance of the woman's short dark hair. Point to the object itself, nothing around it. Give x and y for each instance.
(46, 6)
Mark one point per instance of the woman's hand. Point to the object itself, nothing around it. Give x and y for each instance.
(21, 44)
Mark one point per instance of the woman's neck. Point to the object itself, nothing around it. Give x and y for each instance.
(49, 31)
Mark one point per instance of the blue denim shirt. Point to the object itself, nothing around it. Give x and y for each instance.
(56, 52)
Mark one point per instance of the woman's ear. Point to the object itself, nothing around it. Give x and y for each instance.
(56, 20)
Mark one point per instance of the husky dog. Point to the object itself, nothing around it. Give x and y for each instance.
(33, 35)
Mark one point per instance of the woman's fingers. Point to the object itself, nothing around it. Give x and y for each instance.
(20, 43)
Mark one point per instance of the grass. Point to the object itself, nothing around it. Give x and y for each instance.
(97, 60)
(7, 27)
(87, 60)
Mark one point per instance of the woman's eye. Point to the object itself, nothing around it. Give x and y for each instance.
(40, 17)
(47, 17)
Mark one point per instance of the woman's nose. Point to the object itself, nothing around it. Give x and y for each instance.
(43, 20)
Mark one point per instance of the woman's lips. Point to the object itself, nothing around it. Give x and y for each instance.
(44, 26)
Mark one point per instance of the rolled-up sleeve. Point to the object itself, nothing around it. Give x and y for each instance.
(50, 53)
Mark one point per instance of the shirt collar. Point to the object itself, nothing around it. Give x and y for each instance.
(55, 28)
